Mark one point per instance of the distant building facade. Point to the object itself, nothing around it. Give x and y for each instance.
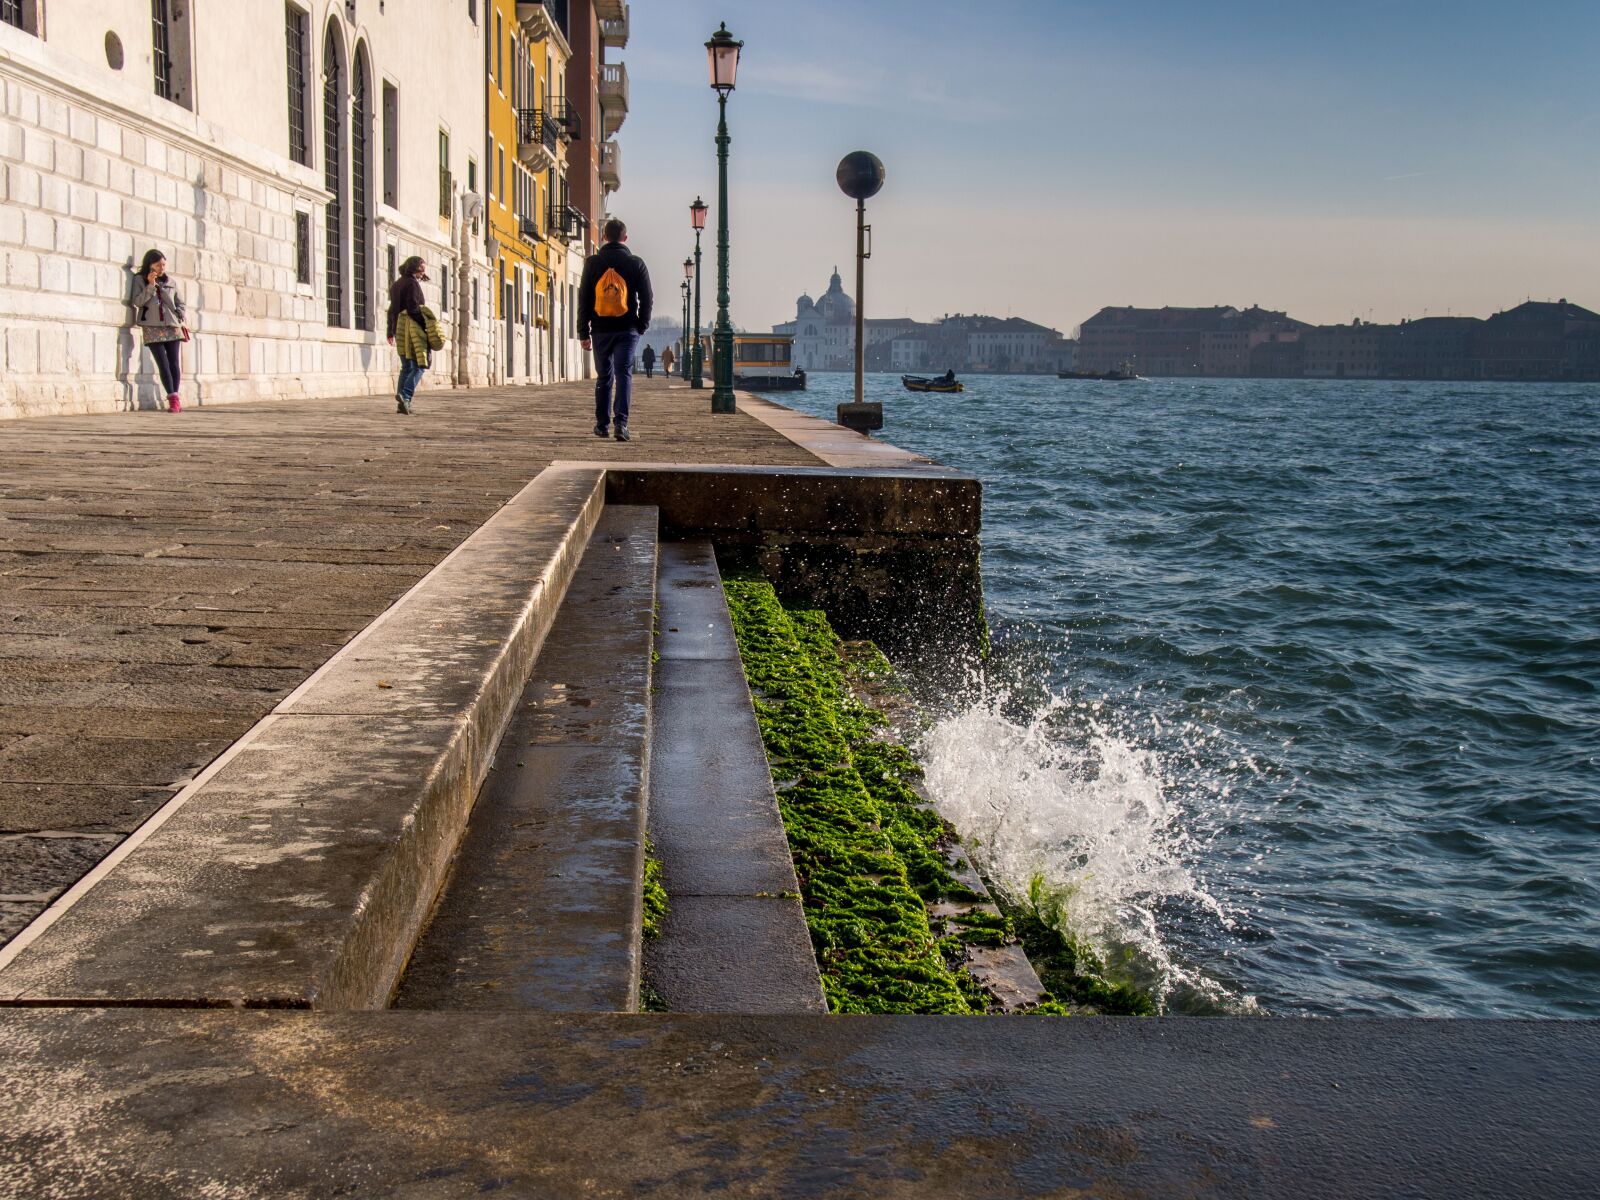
(825, 338)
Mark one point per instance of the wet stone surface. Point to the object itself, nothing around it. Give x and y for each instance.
(165, 582)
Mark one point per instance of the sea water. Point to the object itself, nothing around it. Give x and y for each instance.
(1293, 702)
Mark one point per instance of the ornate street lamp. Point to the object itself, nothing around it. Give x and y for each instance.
(688, 283)
(697, 218)
(683, 358)
(722, 61)
(860, 176)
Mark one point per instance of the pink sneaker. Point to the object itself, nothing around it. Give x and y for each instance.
(174, 404)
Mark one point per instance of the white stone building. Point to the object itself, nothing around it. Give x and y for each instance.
(284, 154)
(824, 330)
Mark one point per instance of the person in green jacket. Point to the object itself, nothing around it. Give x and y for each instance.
(408, 330)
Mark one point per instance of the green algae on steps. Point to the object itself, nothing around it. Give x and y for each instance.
(656, 906)
(868, 853)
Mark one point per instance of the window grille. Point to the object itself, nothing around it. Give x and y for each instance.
(332, 156)
(302, 247)
(11, 13)
(161, 30)
(360, 201)
(299, 143)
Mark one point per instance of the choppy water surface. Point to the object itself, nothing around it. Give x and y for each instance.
(1295, 693)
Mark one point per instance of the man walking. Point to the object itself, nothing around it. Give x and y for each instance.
(614, 303)
(649, 360)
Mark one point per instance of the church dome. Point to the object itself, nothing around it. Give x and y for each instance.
(803, 304)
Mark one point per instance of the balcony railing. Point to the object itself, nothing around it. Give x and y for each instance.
(566, 120)
(613, 97)
(611, 165)
(565, 222)
(536, 138)
(614, 30)
(529, 229)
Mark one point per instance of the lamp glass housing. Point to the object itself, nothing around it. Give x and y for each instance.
(722, 59)
(697, 213)
(688, 268)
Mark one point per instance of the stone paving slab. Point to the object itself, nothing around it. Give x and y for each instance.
(423, 1105)
(313, 515)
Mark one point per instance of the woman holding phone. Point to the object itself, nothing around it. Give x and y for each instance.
(158, 310)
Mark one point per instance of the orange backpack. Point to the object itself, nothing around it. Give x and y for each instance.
(611, 295)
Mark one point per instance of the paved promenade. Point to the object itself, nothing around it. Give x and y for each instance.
(165, 581)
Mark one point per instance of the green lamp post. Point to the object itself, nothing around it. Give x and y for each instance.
(697, 218)
(722, 60)
(687, 285)
(684, 359)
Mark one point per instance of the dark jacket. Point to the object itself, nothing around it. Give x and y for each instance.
(405, 296)
(640, 299)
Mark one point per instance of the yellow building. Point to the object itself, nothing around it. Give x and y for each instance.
(530, 124)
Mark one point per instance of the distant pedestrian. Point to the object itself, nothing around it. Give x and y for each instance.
(667, 359)
(649, 360)
(159, 312)
(614, 303)
(413, 330)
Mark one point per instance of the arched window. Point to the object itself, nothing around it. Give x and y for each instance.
(333, 160)
(361, 188)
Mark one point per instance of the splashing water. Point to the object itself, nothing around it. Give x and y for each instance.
(1063, 811)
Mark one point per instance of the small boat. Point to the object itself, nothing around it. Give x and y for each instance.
(919, 383)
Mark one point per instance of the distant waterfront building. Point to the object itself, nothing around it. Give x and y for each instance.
(1432, 348)
(825, 340)
(1540, 340)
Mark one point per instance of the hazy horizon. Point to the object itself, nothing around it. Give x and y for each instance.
(1370, 161)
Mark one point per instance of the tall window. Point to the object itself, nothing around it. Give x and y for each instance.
(500, 175)
(332, 156)
(299, 142)
(161, 22)
(391, 145)
(444, 174)
(360, 199)
(24, 14)
(499, 53)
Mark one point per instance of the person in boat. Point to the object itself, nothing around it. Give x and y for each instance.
(950, 375)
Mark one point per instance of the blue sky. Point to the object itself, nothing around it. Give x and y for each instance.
(1354, 159)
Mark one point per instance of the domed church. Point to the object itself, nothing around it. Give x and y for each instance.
(824, 330)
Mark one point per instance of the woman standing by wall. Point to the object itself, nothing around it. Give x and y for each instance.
(158, 310)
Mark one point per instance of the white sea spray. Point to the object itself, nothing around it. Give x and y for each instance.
(1095, 826)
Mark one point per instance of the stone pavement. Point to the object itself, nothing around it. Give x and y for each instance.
(165, 581)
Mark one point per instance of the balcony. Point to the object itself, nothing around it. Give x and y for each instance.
(613, 98)
(536, 139)
(610, 166)
(610, 10)
(566, 222)
(565, 118)
(529, 229)
(614, 30)
(537, 18)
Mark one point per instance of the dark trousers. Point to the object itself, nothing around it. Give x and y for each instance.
(166, 356)
(649, 368)
(613, 363)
